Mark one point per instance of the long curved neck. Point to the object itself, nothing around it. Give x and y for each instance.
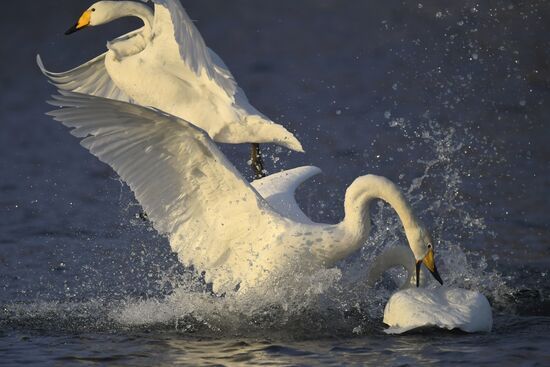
(390, 258)
(121, 9)
(356, 224)
(360, 195)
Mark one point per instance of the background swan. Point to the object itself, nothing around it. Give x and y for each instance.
(214, 219)
(412, 307)
(166, 65)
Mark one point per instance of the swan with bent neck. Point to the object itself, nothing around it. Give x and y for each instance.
(412, 307)
(166, 64)
(241, 235)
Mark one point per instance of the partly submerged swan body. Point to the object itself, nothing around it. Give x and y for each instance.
(214, 219)
(166, 65)
(412, 308)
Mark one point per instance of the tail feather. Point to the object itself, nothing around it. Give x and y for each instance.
(270, 132)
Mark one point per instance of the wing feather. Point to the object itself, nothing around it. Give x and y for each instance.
(172, 22)
(279, 189)
(89, 78)
(189, 190)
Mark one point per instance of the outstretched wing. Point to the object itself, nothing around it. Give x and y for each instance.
(88, 78)
(172, 23)
(279, 189)
(189, 190)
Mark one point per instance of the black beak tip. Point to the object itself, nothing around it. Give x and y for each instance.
(436, 275)
(71, 30)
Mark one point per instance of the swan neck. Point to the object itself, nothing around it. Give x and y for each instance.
(390, 258)
(123, 9)
(359, 196)
(349, 235)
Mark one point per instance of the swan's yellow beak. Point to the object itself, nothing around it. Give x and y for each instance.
(429, 262)
(83, 22)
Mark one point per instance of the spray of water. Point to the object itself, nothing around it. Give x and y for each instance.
(328, 301)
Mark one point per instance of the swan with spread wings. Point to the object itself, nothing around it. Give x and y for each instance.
(214, 219)
(166, 65)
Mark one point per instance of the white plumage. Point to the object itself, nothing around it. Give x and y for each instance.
(278, 190)
(441, 307)
(215, 220)
(166, 65)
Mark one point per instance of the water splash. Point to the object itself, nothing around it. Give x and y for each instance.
(455, 223)
(329, 301)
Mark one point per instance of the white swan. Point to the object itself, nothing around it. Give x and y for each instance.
(215, 220)
(166, 65)
(442, 307)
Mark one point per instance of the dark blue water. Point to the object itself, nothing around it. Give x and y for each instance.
(448, 99)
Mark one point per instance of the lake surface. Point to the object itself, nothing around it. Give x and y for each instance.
(450, 100)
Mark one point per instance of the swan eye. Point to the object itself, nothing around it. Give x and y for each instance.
(93, 9)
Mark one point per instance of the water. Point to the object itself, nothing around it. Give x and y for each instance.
(511, 344)
(448, 100)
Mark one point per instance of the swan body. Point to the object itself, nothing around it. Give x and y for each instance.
(214, 219)
(447, 308)
(166, 65)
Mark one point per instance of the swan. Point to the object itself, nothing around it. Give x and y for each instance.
(166, 65)
(411, 307)
(214, 219)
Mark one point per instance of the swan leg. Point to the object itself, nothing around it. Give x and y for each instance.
(257, 161)
(143, 216)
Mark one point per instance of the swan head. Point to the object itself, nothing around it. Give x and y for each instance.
(100, 12)
(422, 246)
